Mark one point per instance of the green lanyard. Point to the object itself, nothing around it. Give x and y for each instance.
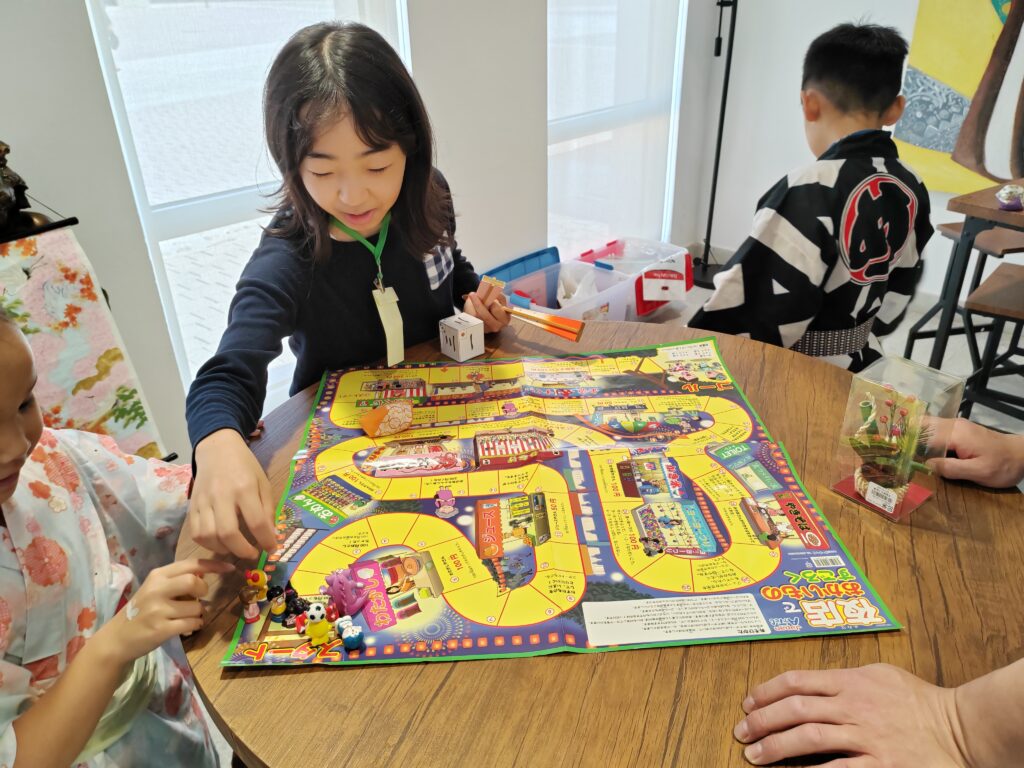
(377, 249)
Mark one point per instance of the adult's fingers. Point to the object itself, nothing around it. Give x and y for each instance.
(806, 739)
(787, 713)
(825, 682)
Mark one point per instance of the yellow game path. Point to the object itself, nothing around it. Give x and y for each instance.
(469, 587)
(745, 561)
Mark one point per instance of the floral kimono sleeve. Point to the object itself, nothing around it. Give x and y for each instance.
(14, 693)
(141, 503)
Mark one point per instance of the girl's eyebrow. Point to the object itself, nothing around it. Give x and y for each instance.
(327, 156)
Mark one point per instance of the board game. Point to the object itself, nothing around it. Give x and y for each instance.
(597, 502)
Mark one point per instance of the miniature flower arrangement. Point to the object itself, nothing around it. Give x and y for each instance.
(892, 443)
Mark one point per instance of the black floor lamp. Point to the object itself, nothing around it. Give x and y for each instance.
(703, 271)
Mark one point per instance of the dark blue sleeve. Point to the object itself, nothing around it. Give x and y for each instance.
(229, 390)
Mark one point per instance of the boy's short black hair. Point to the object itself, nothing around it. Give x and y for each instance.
(858, 67)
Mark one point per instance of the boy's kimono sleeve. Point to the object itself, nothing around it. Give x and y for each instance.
(772, 287)
(141, 502)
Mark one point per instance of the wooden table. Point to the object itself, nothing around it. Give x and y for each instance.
(950, 576)
(981, 211)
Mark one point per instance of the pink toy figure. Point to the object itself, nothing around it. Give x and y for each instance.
(444, 501)
(509, 409)
(250, 608)
(346, 591)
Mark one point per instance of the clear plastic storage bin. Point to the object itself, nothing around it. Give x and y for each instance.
(573, 289)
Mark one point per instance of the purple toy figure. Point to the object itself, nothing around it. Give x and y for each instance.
(444, 501)
(346, 591)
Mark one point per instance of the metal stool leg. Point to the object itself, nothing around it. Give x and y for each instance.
(979, 381)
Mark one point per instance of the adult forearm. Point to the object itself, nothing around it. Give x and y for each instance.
(990, 711)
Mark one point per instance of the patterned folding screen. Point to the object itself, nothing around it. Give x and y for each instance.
(86, 380)
(964, 90)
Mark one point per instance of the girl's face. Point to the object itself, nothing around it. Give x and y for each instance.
(354, 183)
(21, 423)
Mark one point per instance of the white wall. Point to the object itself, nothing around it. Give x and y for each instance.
(763, 137)
(57, 119)
(481, 67)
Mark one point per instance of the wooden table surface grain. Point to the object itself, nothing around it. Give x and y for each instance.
(951, 577)
(983, 204)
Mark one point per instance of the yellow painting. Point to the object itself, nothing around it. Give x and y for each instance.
(963, 128)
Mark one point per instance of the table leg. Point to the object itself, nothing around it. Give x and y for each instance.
(953, 283)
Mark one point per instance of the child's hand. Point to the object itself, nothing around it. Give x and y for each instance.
(490, 310)
(231, 486)
(167, 604)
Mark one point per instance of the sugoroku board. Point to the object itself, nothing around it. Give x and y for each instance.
(617, 500)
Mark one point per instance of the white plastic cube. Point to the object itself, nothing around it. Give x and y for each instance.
(462, 337)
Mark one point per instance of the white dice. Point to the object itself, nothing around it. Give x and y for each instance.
(462, 337)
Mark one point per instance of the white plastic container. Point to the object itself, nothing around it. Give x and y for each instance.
(573, 289)
(661, 273)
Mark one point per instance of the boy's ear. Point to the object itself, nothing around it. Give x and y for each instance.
(892, 115)
(810, 101)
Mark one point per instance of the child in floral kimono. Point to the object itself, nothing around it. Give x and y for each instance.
(92, 671)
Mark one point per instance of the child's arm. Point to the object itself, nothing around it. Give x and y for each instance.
(226, 400)
(166, 605)
(771, 288)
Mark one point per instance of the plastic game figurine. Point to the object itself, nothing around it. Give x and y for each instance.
(345, 591)
(351, 634)
(258, 579)
(387, 419)
(295, 607)
(250, 607)
(316, 626)
(278, 603)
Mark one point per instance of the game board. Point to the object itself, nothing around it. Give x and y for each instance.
(616, 500)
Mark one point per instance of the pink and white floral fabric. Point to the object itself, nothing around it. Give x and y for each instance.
(85, 526)
(86, 380)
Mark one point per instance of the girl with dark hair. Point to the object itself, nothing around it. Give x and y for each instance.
(364, 222)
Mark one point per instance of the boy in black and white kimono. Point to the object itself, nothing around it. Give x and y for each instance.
(834, 254)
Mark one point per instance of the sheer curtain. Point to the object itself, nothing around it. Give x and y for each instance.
(613, 80)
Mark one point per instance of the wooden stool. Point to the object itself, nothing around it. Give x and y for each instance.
(997, 242)
(1000, 297)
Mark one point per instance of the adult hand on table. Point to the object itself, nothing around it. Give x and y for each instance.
(878, 715)
(230, 489)
(983, 456)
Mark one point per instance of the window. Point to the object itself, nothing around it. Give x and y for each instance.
(185, 82)
(614, 76)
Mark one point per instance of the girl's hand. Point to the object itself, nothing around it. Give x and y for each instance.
(490, 310)
(167, 604)
(231, 486)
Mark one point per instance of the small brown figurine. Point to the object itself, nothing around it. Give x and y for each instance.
(13, 199)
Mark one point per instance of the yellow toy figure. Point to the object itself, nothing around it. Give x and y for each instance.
(258, 579)
(278, 603)
(317, 628)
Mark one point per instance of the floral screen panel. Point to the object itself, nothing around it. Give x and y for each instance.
(86, 380)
